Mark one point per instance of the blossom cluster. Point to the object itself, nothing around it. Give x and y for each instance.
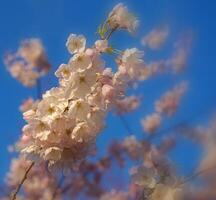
(29, 62)
(63, 126)
(177, 61)
(156, 38)
(166, 105)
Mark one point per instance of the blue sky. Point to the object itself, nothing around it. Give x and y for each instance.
(53, 20)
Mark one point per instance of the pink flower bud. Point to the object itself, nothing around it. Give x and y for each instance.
(108, 92)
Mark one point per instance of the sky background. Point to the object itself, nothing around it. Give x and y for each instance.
(53, 20)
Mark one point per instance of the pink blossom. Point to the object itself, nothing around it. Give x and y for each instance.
(151, 123)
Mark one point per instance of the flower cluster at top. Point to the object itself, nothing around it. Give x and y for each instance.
(63, 126)
(29, 63)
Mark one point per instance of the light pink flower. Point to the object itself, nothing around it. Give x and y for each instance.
(169, 103)
(151, 123)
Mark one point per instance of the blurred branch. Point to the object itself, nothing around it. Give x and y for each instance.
(196, 174)
(13, 196)
(39, 90)
(125, 124)
(58, 188)
(111, 32)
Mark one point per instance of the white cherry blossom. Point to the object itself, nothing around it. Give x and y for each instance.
(76, 43)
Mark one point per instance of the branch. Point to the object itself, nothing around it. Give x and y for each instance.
(195, 175)
(58, 188)
(111, 32)
(38, 89)
(13, 195)
(125, 124)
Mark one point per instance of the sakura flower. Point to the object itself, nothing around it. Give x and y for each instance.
(151, 123)
(63, 71)
(179, 59)
(29, 63)
(132, 63)
(101, 45)
(169, 103)
(80, 83)
(133, 147)
(79, 109)
(81, 132)
(156, 38)
(51, 108)
(76, 43)
(132, 56)
(80, 61)
(96, 119)
(16, 69)
(33, 51)
(157, 67)
(127, 104)
(27, 105)
(106, 76)
(20, 71)
(52, 153)
(108, 92)
(121, 17)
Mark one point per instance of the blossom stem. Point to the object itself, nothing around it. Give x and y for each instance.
(111, 32)
(14, 194)
(58, 188)
(126, 125)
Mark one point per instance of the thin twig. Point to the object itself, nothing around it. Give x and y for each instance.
(58, 188)
(111, 32)
(38, 89)
(66, 188)
(195, 175)
(125, 124)
(13, 196)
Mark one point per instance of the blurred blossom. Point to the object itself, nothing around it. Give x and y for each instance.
(156, 38)
(182, 49)
(169, 103)
(29, 63)
(131, 63)
(122, 18)
(28, 104)
(133, 147)
(157, 67)
(127, 104)
(151, 123)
